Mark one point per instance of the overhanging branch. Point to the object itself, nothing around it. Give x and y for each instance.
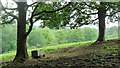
(86, 22)
(40, 18)
(85, 13)
(9, 13)
(113, 13)
(8, 21)
(94, 20)
(10, 8)
(92, 13)
(31, 21)
(11, 20)
(87, 5)
(32, 4)
(44, 11)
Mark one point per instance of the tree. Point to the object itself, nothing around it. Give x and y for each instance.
(102, 14)
(21, 54)
(82, 13)
(119, 33)
(102, 10)
(101, 18)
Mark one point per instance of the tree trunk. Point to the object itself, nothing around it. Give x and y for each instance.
(21, 54)
(101, 18)
(119, 34)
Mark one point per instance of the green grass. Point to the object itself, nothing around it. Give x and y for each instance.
(7, 56)
(53, 48)
(11, 55)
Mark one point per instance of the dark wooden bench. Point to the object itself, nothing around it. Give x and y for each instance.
(37, 54)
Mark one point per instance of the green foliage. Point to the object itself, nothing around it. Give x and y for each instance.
(8, 38)
(36, 39)
(90, 34)
(75, 35)
(81, 12)
(111, 32)
(41, 37)
(61, 36)
(49, 35)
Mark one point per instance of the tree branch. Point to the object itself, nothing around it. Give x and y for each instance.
(44, 11)
(87, 5)
(92, 13)
(113, 13)
(86, 23)
(10, 8)
(9, 13)
(85, 13)
(31, 21)
(32, 4)
(94, 20)
(107, 8)
(40, 18)
(10, 21)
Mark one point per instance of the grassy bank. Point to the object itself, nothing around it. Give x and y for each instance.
(82, 54)
(10, 55)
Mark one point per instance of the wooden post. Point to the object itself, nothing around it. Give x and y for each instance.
(38, 54)
(34, 54)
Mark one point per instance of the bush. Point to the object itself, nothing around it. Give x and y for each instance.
(49, 36)
(36, 38)
(75, 35)
(111, 32)
(90, 34)
(61, 36)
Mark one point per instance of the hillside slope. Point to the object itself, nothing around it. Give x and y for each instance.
(95, 55)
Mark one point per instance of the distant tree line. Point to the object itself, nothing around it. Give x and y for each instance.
(41, 37)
